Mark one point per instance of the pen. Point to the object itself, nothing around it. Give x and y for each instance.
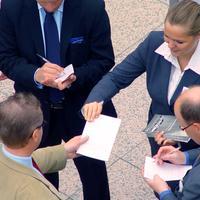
(176, 149)
(43, 58)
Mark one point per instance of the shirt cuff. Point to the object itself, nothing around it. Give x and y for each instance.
(164, 193)
(187, 159)
(38, 85)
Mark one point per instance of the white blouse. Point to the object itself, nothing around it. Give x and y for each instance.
(176, 73)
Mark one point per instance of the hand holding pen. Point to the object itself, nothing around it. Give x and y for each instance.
(171, 154)
(49, 72)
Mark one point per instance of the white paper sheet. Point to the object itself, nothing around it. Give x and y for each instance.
(167, 171)
(102, 133)
(66, 73)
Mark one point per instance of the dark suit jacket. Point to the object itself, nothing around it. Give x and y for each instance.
(21, 39)
(144, 59)
(191, 183)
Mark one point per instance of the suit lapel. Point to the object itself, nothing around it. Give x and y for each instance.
(33, 25)
(71, 18)
(163, 81)
(189, 78)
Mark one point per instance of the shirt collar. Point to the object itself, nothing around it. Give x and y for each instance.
(24, 160)
(194, 63)
(60, 8)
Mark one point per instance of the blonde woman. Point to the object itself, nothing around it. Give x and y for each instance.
(171, 61)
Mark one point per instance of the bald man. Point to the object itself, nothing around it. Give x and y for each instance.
(187, 111)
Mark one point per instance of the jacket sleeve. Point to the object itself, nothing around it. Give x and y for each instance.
(169, 196)
(193, 154)
(12, 65)
(101, 56)
(191, 191)
(50, 159)
(191, 182)
(122, 75)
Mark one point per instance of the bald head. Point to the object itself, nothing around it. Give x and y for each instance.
(188, 105)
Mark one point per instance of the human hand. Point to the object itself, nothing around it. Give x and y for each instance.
(2, 76)
(66, 83)
(92, 110)
(72, 146)
(47, 74)
(170, 153)
(162, 140)
(157, 184)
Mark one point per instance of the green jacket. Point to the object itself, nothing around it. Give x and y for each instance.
(18, 182)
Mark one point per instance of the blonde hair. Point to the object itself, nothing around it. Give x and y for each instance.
(187, 14)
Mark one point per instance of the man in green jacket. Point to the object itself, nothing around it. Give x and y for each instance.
(21, 167)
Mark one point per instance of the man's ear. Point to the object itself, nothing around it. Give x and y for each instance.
(35, 135)
(197, 126)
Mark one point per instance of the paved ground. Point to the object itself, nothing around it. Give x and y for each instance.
(131, 21)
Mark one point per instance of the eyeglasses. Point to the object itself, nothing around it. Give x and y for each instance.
(184, 128)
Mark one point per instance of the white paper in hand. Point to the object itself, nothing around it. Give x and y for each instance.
(65, 74)
(167, 171)
(102, 133)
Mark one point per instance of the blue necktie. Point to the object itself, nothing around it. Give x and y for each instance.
(52, 51)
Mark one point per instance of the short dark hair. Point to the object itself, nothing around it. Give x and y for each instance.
(190, 111)
(20, 115)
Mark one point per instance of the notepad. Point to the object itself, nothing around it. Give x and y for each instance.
(65, 74)
(102, 133)
(167, 171)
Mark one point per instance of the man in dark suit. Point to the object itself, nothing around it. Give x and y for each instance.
(64, 32)
(187, 111)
